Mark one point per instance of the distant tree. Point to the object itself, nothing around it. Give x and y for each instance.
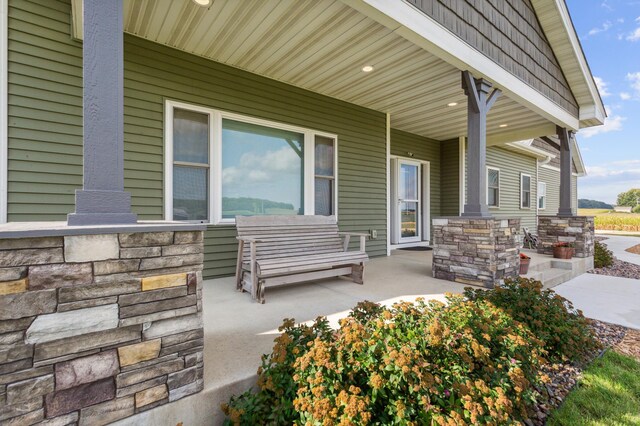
(631, 198)
(583, 203)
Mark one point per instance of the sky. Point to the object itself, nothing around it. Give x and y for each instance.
(609, 31)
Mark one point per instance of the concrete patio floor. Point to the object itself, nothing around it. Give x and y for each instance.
(237, 330)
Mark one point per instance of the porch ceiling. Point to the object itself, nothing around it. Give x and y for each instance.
(322, 45)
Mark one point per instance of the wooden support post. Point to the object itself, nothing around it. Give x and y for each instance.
(565, 209)
(479, 104)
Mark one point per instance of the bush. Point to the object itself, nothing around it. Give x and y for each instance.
(602, 256)
(423, 363)
(564, 331)
(636, 209)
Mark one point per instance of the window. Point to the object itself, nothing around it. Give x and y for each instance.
(525, 191)
(542, 195)
(223, 165)
(325, 176)
(493, 187)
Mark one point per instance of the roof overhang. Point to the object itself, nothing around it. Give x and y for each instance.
(556, 22)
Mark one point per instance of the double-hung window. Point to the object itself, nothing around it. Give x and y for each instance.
(223, 165)
(493, 187)
(542, 195)
(525, 191)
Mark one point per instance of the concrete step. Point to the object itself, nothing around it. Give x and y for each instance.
(551, 272)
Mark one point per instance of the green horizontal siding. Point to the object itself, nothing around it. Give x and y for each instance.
(552, 178)
(511, 165)
(45, 126)
(424, 149)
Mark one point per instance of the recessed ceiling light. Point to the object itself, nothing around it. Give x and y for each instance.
(450, 104)
(503, 125)
(203, 3)
(367, 68)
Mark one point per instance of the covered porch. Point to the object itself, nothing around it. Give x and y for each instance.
(237, 331)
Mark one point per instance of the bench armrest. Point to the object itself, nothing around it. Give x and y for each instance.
(347, 237)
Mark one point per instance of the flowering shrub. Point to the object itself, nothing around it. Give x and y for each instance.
(552, 319)
(422, 363)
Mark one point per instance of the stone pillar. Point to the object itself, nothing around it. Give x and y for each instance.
(102, 200)
(478, 105)
(96, 328)
(477, 251)
(577, 230)
(566, 169)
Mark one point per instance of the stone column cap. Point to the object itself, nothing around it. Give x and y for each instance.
(57, 229)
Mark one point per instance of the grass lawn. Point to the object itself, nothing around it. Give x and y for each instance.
(608, 394)
(608, 220)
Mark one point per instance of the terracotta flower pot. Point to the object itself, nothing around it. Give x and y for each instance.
(524, 266)
(563, 252)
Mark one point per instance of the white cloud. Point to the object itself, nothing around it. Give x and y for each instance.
(602, 86)
(611, 124)
(263, 167)
(605, 26)
(634, 35)
(634, 78)
(625, 96)
(604, 182)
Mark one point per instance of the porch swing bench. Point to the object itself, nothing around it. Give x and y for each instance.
(281, 250)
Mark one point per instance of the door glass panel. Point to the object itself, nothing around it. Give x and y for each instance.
(190, 136)
(408, 219)
(408, 187)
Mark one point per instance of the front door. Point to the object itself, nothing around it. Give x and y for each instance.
(408, 189)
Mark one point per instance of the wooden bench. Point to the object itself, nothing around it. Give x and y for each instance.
(279, 250)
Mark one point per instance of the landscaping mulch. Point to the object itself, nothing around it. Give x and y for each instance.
(597, 238)
(630, 344)
(619, 268)
(635, 249)
(565, 376)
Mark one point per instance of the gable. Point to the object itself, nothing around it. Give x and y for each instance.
(507, 32)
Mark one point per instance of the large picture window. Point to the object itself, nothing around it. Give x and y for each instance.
(224, 165)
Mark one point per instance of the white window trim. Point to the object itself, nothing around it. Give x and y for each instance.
(4, 110)
(215, 159)
(499, 187)
(522, 175)
(544, 203)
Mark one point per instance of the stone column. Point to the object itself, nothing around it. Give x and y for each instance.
(102, 199)
(576, 230)
(477, 251)
(565, 209)
(479, 105)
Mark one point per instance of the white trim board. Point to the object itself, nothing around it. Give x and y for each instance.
(4, 109)
(388, 157)
(462, 184)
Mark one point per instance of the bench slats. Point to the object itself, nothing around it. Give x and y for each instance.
(288, 249)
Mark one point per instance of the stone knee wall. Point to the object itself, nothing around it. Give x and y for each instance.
(578, 230)
(476, 251)
(96, 328)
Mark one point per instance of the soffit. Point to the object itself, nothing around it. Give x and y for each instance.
(321, 46)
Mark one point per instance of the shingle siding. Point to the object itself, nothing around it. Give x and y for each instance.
(45, 126)
(508, 32)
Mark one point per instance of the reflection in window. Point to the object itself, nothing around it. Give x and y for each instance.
(324, 176)
(191, 165)
(262, 170)
(493, 187)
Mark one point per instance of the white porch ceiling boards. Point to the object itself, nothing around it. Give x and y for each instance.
(322, 45)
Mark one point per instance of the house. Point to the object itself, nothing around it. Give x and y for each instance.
(622, 209)
(129, 129)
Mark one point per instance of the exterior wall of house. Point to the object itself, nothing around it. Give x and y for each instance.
(423, 149)
(450, 177)
(45, 126)
(508, 32)
(551, 177)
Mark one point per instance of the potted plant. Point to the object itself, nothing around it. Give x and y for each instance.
(524, 263)
(563, 250)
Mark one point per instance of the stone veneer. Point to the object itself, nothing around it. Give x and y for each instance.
(96, 328)
(578, 230)
(478, 251)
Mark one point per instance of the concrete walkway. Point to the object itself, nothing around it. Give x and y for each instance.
(618, 244)
(611, 299)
